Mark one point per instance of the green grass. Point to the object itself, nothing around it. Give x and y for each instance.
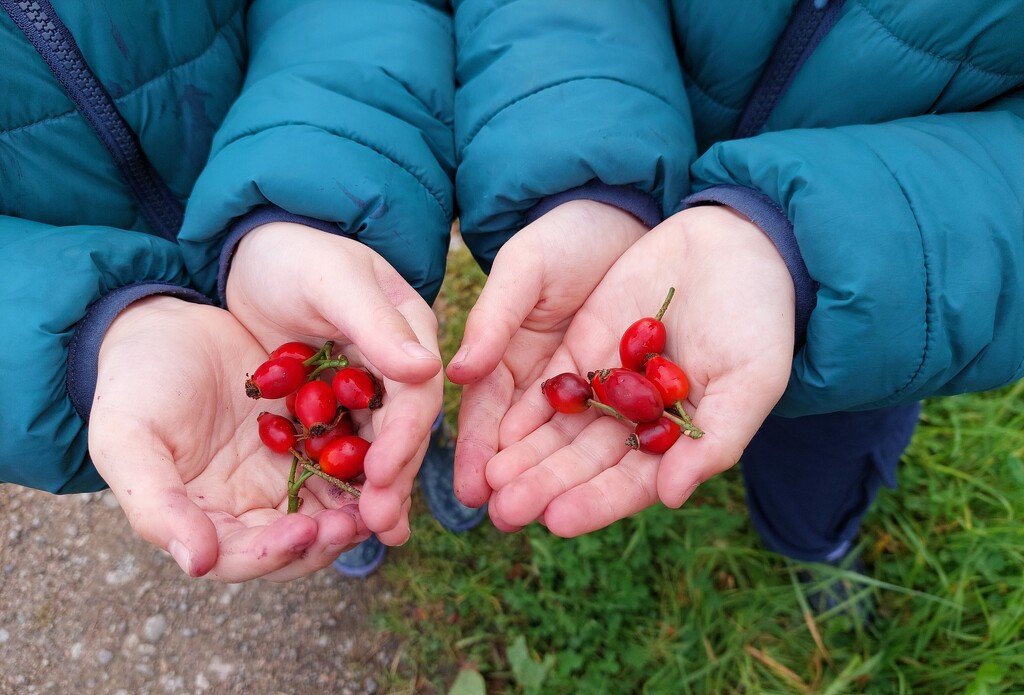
(687, 601)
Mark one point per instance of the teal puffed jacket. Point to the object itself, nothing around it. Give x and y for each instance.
(879, 143)
(139, 137)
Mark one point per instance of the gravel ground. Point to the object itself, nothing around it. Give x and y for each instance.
(87, 607)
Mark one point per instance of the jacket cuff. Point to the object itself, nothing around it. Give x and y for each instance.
(766, 214)
(250, 221)
(84, 349)
(641, 205)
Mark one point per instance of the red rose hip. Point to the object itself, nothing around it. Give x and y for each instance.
(567, 392)
(654, 437)
(669, 378)
(632, 395)
(343, 457)
(297, 351)
(314, 446)
(644, 337)
(316, 406)
(357, 389)
(276, 378)
(596, 379)
(276, 432)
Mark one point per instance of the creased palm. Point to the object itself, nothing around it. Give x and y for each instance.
(290, 282)
(538, 282)
(730, 326)
(175, 437)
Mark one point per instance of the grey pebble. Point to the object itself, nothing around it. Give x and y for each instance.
(154, 627)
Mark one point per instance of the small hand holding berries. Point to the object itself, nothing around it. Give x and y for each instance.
(538, 282)
(320, 391)
(172, 432)
(341, 290)
(730, 328)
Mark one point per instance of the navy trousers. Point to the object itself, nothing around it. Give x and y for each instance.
(810, 480)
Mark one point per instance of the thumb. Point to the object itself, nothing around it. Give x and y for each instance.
(511, 292)
(153, 497)
(388, 335)
(729, 418)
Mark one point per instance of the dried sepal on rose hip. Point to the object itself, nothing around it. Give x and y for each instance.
(313, 446)
(357, 389)
(596, 379)
(316, 406)
(654, 437)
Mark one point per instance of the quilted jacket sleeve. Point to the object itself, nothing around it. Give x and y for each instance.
(557, 95)
(62, 286)
(345, 117)
(913, 231)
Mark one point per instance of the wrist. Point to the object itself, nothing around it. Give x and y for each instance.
(137, 317)
(716, 235)
(593, 214)
(269, 243)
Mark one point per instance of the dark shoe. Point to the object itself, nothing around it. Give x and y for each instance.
(829, 592)
(437, 481)
(363, 560)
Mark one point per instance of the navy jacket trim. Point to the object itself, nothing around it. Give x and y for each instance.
(627, 198)
(84, 349)
(772, 219)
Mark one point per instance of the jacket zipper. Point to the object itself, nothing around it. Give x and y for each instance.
(811, 21)
(52, 40)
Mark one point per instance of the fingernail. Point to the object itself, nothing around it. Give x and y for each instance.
(460, 356)
(181, 555)
(417, 351)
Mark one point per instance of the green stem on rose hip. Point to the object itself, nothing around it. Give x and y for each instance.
(309, 470)
(312, 470)
(664, 306)
(323, 360)
(684, 422)
(682, 419)
(324, 353)
(339, 363)
(294, 485)
(605, 408)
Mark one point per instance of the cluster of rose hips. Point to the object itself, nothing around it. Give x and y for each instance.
(320, 391)
(647, 391)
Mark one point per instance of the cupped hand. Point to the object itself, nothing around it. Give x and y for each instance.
(730, 326)
(537, 283)
(291, 282)
(175, 437)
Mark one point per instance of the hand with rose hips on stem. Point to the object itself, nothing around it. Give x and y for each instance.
(538, 282)
(320, 390)
(730, 326)
(174, 436)
(341, 290)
